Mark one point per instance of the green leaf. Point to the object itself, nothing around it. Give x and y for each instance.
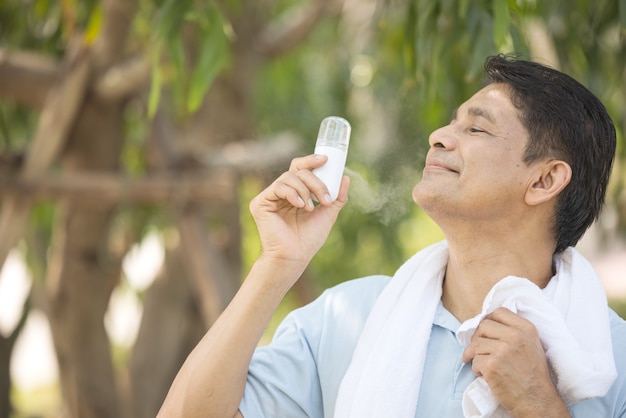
(622, 15)
(178, 75)
(155, 86)
(212, 56)
(4, 129)
(483, 48)
(95, 25)
(501, 22)
(409, 45)
(427, 18)
(171, 17)
(463, 6)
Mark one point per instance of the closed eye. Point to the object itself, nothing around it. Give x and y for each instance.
(473, 129)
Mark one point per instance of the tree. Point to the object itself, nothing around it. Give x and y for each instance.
(124, 114)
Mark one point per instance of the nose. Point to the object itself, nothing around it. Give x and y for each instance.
(442, 138)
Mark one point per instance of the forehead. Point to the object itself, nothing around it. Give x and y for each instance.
(493, 103)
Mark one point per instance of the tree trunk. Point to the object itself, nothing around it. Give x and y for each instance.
(82, 272)
(171, 326)
(5, 378)
(6, 351)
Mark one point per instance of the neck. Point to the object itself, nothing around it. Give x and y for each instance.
(476, 265)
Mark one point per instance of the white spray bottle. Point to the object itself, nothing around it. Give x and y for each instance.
(332, 140)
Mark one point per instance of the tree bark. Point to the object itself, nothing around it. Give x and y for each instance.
(82, 270)
(112, 189)
(27, 77)
(6, 350)
(82, 273)
(56, 119)
(171, 326)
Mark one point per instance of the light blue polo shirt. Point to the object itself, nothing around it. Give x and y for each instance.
(299, 373)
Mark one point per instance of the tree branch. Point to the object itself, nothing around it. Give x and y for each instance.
(57, 117)
(208, 270)
(27, 77)
(116, 22)
(540, 42)
(292, 27)
(255, 156)
(123, 80)
(109, 188)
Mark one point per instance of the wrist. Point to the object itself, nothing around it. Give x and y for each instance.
(547, 407)
(279, 271)
(281, 262)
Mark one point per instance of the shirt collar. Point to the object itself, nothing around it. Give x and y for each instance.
(443, 318)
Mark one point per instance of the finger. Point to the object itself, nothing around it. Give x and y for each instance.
(514, 330)
(486, 364)
(291, 188)
(308, 162)
(478, 346)
(315, 186)
(507, 317)
(468, 354)
(489, 328)
(515, 326)
(477, 356)
(303, 167)
(483, 352)
(477, 365)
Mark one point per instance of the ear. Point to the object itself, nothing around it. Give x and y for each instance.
(550, 179)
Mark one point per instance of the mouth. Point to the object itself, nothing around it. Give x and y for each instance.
(436, 165)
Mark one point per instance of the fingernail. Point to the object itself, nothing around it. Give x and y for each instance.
(310, 203)
(327, 198)
(300, 201)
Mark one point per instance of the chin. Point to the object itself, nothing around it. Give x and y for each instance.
(421, 195)
(431, 199)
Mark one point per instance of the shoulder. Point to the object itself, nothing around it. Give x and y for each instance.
(361, 291)
(339, 312)
(613, 403)
(618, 324)
(618, 335)
(353, 298)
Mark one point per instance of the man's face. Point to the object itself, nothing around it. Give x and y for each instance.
(474, 168)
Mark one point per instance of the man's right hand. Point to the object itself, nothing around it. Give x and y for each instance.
(291, 227)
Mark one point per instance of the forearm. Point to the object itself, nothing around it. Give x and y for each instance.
(212, 379)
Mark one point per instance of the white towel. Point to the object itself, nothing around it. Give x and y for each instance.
(570, 315)
(384, 376)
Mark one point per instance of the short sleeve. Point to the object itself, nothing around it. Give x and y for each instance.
(613, 404)
(282, 378)
(299, 372)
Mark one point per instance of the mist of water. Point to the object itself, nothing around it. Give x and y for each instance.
(387, 201)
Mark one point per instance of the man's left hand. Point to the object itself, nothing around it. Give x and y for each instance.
(506, 351)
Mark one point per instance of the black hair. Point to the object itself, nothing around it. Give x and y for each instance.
(564, 121)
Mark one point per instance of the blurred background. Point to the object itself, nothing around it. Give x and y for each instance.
(133, 134)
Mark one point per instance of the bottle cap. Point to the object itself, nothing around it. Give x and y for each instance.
(334, 132)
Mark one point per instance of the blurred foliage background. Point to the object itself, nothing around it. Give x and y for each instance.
(196, 105)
